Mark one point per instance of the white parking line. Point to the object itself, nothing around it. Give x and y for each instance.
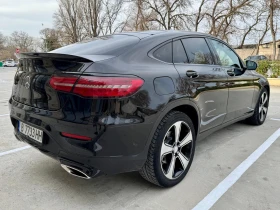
(3, 115)
(275, 119)
(227, 183)
(14, 150)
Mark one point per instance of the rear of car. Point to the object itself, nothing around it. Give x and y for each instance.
(9, 63)
(75, 107)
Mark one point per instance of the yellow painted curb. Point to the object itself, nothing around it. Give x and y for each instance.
(274, 81)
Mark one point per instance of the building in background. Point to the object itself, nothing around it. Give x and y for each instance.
(265, 49)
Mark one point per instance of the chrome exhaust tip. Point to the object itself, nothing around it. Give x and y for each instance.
(75, 172)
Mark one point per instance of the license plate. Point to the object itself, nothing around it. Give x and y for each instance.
(31, 132)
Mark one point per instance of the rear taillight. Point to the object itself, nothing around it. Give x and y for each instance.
(90, 86)
(63, 83)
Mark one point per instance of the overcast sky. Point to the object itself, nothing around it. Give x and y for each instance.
(26, 15)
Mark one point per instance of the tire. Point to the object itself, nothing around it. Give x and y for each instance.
(166, 151)
(261, 109)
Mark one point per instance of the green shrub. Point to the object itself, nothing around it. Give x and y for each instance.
(275, 68)
(263, 67)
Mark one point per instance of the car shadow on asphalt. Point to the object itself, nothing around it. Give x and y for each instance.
(132, 181)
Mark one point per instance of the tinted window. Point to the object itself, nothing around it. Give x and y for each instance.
(225, 54)
(103, 45)
(164, 53)
(179, 54)
(198, 51)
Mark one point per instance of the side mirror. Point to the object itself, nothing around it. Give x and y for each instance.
(251, 65)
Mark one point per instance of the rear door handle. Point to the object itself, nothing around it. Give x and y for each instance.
(192, 74)
(230, 72)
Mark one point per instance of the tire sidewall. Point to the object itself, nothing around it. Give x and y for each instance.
(162, 179)
(258, 105)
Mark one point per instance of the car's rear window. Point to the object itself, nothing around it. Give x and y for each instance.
(164, 53)
(103, 45)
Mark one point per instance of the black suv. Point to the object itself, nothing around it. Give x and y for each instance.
(133, 101)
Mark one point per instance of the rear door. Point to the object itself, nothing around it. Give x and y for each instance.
(202, 80)
(240, 81)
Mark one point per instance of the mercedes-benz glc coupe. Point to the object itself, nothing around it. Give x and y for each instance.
(134, 101)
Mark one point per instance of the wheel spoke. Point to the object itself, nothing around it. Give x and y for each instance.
(177, 126)
(265, 99)
(186, 140)
(183, 160)
(165, 149)
(261, 115)
(171, 167)
(260, 109)
(265, 110)
(262, 98)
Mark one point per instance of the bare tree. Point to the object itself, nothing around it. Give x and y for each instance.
(199, 15)
(109, 23)
(222, 16)
(2, 41)
(138, 16)
(169, 14)
(273, 6)
(69, 20)
(91, 17)
(141, 20)
(263, 33)
(248, 29)
(21, 40)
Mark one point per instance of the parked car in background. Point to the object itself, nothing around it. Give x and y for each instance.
(133, 101)
(256, 58)
(9, 63)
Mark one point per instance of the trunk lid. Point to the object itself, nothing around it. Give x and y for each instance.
(31, 82)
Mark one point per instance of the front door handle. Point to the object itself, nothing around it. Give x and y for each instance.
(230, 72)
(192, 74)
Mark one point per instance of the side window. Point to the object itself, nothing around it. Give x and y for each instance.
(225, 54)
(164, 53)
(179, 54)
(198, 51)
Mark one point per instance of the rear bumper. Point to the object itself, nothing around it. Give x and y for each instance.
(113, 149)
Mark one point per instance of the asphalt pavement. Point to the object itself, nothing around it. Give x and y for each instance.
(237, 167)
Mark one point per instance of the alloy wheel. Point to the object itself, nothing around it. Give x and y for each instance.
(176, 150)
(263, 106)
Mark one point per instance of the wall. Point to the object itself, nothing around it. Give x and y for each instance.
(269, 51)
(244, 53)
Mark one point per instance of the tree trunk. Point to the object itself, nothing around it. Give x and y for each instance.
(263, 35)
(95, 15)
(273, 32)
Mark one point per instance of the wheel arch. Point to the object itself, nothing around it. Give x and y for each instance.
(184, 105)
(268, 89)
(191, 112)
